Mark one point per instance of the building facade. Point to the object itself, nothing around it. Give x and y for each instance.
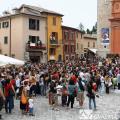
(115, 27)
(54, 36)
(79, 47)
(103, 27)
(32, 33)
(69, 36)
(88, 42)
(23, 34)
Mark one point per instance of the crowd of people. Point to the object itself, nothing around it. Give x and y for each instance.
(69, 80)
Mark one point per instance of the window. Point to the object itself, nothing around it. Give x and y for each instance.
(77, 46)
(52, 51)
(38, 24)
(66, 35)
(33, 39)
(5, 40)
(55, 35)
(34, 24)
(93, 44)
(66, 49)
(77, 34)
(88, 44)
(71, 36)
(54, 20)
(72, 48)
(5, 24)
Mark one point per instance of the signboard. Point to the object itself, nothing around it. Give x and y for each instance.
(105, 37)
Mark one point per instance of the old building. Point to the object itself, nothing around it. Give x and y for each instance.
(31, 32)
(115, 27)
(103, 26)
(23, 34)
(69, 36)
(79, 46)
(88, 43)
(54, 36)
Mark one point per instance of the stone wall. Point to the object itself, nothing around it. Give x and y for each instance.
(103, 15)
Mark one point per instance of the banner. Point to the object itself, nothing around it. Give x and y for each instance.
(105, 37)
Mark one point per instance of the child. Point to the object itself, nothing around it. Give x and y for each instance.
(31, 105)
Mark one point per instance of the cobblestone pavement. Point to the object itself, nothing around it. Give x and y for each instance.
(108, 108)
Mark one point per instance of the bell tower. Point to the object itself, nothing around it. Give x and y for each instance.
(115, 27)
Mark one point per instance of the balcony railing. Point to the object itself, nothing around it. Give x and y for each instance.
(35, 47)
(54, 42)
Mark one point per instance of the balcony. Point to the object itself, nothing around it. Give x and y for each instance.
(32, 47)
(53, 42)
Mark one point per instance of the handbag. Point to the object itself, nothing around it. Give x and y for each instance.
(23, 99)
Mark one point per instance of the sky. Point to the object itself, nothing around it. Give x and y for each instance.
(74, 11)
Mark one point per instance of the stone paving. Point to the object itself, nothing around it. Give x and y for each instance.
(108, 108)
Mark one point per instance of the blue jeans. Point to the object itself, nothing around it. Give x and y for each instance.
(42, 90)
(90, 103)
(9, 104)
(31, 110)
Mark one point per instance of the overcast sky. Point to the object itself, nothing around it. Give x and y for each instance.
(74, 11)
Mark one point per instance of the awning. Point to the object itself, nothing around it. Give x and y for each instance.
(5, 60)
(93, 50)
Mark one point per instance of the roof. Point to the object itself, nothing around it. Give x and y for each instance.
(68, 27)
(40, 9)
(90, 36)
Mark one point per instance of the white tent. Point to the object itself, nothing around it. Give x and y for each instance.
(93, 50)
(4, 60)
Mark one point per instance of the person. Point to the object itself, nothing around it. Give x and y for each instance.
(118, 80)
(102, 80)
(23, 99)
(41, 84)
(107, 81)
(71, 91)
(31, 106)
(2, 98)
(9, 95)
(33, 84)
(17, 82)
(91, 94)
(81, 88)
(53, 95)
(114, 80)
(64, 93)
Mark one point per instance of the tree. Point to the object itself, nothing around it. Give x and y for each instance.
(94, 29)
(81, 28)
(88, 31)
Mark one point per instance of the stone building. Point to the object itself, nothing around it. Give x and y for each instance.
(103, 26)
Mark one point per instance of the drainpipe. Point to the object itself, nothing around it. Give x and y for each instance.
(10, 40)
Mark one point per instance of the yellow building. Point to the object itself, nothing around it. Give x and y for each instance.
(54, 35)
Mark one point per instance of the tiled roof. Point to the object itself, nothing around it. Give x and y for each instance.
(40, 9)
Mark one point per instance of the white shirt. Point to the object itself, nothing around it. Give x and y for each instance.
(18, 82)
(30, 103)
